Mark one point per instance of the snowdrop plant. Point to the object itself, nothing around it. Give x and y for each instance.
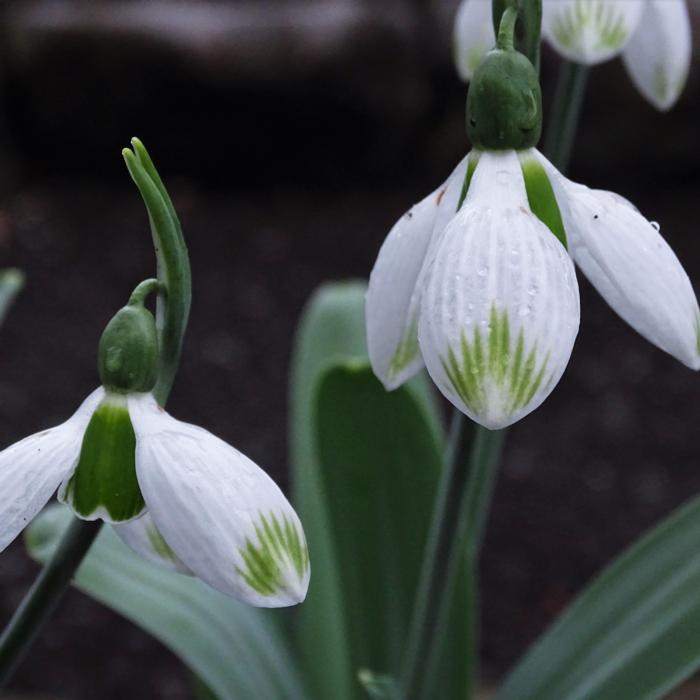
(173, 491)
(486, 298)
(653, 38)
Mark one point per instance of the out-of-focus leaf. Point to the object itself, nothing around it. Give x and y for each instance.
(236, 650)
(11, 281)
(634, 633)
(365, 467)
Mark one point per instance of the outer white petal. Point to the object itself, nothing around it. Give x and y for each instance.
(473, 36)
(634, 269)
(32, 469)
(145, 539)
(391, 316)
(590, 31)
(500, 311)
(225, 519)
(658, 56)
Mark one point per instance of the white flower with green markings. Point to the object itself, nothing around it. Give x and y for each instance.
(652, 36)
(174, 492)
(489, 295)
(487, 299)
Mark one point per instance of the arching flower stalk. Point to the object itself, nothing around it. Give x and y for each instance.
(653, 37)
(486, 298)
(174, 492)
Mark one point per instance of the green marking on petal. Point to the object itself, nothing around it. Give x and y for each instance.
(280, 551)
(159, 545)
(607, 24)
(406, 351)
(472, 162)
(540, 196)
(495, 374)
(104, 483)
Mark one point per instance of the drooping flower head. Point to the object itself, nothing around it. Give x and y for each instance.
(174, 492)
(477, 283)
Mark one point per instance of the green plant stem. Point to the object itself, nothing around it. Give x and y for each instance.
(44, 595)
(463, 501)
(568, 98)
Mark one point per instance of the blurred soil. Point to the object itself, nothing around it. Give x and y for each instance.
(279, 191)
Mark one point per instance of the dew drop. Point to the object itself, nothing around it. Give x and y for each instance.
(655, 225)
(524, 310)
(482, 271)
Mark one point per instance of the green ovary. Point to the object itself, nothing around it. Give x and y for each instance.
(279, 547)
(493, 372)
(608, 25)
(104, 483)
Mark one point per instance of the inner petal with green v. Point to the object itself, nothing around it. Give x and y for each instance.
(492, 372)
(104, 483)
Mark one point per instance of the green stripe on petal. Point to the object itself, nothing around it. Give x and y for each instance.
(104, 483)
(496, 375)
(158, 544)
(406, 352)
(279, 552)
(540, 196)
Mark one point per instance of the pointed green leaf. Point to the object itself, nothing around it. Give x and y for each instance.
(633, 634)
(237, 651)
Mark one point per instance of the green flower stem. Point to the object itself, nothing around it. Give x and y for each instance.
(568, 99)
(527, 28)
(463, 502)
(174, 285)
(44, 595)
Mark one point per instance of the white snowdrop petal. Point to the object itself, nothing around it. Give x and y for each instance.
(224, 518)
(500, 309)
(658, 56)
(473, 36)
(590, 31)
(32, 469)
(391, 314)
(634, 269)
(145, 539)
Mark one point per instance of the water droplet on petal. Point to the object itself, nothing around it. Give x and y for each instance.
(655, 225)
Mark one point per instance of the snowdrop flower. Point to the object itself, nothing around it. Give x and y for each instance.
(652, 36)
(476, 281)
(175, 493)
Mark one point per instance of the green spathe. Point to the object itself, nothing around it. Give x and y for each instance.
(128, 351)
(104, 483)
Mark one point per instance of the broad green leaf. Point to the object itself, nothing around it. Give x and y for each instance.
(332, 328)
(351, 442)
(237, 651)
(11, 281)
(634, 633)
(380, 463)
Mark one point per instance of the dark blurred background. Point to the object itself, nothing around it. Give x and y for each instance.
(292, 134)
